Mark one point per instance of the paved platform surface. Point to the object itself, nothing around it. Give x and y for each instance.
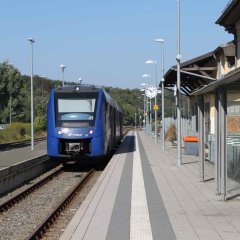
(143, 194)
(14, 156)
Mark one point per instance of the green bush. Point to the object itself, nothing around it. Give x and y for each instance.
(15, 132)
(22, 131)
(40, 123)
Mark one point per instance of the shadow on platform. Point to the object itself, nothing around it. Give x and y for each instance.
(127, 146)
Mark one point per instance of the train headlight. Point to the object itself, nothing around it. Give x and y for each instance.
(90, 131)
(59, 132)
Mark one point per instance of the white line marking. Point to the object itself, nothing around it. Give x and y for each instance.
(140, 227)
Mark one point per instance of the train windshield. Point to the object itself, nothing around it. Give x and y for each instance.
(78, 111)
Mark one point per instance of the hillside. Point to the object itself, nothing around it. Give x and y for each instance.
(15, 97)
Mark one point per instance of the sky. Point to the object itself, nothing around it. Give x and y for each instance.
(106, 42)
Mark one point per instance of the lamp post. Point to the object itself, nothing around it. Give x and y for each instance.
(31, 40)
(144, 107)
(80, 81)
(178, 58)
(135, 121)
(161, 41)
(144, 111)
(148, 108)
(139, 111)
(63, 67)
(155, 111)
(145, 100)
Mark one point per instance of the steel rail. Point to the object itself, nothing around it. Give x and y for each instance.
(17, 144)
(16, 199)
(46, 224)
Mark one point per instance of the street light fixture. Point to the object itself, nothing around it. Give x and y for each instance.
(161, 41)
(155, 111)
(80, 81)
(31, 40)
(146, 75)
(63, 67)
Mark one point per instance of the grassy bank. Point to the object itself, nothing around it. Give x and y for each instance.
(18, 132)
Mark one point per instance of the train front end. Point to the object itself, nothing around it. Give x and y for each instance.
(75, 130)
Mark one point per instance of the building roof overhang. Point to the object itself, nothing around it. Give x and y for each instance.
(195, 73)
(230, 16)
(230, 82)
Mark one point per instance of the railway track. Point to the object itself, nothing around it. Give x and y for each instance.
(23, 204)
(42, 228)
(19, 174)
(19, 144)
(20, 216)
(19, 197)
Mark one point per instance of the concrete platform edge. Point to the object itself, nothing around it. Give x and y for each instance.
(72, 226)
(16, 175)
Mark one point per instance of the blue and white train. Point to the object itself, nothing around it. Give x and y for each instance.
(84, 122)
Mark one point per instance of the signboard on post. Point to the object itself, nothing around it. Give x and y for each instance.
(155, 107)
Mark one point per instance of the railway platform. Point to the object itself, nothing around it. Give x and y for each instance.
(143, 194)
(18, 155)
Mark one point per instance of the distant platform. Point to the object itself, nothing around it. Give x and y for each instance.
(18, 155)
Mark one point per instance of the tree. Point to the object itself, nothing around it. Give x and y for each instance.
(15, 95)
(11, 86)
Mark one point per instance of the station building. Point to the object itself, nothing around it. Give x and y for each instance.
(212, 82)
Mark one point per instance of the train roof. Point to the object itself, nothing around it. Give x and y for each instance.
(111, 101)
(72, 88)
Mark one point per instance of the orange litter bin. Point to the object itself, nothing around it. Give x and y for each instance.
(191, 145)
